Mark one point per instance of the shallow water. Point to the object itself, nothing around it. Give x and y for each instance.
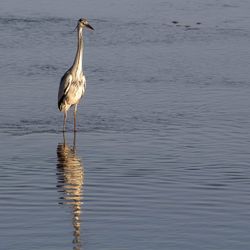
(161, 156)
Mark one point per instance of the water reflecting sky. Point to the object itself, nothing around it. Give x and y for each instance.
(162, 153)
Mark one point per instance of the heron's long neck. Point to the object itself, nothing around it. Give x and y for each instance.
(77, 65)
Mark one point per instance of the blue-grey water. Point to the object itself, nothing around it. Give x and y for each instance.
(161, 158)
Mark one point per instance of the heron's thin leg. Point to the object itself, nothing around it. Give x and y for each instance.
(64, 121)
(75, 118)
(64, 139)
(74, 142)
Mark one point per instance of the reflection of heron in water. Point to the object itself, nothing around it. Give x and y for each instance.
(70, 178)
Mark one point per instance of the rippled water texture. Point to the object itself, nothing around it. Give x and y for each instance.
(161, 157)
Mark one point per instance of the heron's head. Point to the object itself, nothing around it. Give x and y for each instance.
(83, 22)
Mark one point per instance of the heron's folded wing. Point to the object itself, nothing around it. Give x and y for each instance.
(64, 85)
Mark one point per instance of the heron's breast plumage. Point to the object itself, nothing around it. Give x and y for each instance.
(76, 91)
(72, 89)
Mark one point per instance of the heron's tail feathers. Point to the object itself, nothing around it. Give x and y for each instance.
(61, 104)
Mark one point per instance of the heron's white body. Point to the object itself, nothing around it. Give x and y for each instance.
(72, 91)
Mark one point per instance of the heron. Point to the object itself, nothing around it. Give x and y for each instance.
(73, 82)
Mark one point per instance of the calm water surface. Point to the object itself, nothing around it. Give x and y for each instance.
(161, 158)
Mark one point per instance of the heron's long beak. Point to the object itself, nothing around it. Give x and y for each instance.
(89, 26)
